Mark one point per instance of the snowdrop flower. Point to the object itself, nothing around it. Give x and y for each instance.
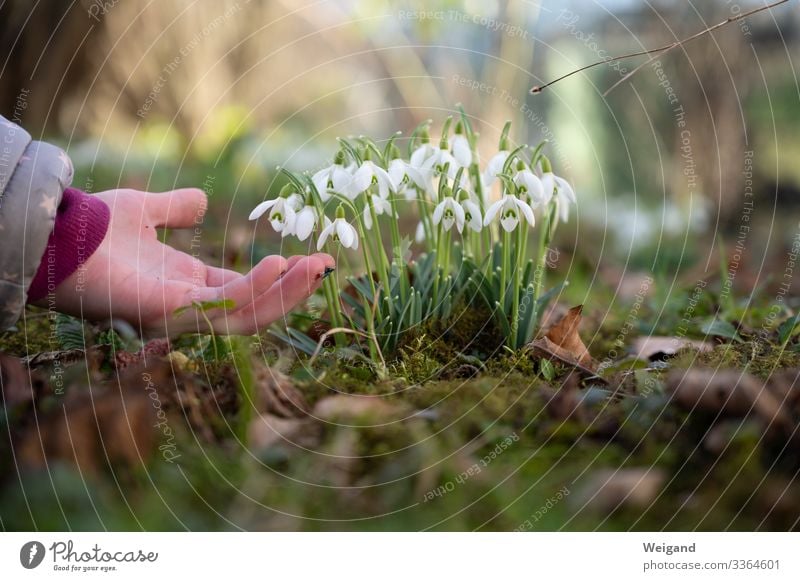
(335, 177)
(421, 154)
(403, 175)
(381, 205)
(440, 158)
(370, 173)
(460, 148)
(508, 208)
(282, 212)
(563, 192)
(530, 187)
(419, 235)
(494, 167)
(472, 215)
(342, 232)
(449, 212)
(305, 222)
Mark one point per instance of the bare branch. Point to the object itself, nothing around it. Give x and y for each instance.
(654, 51)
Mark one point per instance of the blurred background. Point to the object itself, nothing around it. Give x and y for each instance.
(216, 93)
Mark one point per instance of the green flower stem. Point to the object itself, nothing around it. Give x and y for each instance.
(545, 236)
(438, 274)
(505, 270)
(330, 287)
(519, 254)
(381, 258)
(401, 265)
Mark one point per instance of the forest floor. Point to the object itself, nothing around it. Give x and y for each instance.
(693, 429)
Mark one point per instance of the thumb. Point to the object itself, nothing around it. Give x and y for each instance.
(179, 208)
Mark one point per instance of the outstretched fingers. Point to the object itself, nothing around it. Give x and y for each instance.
(297, 284)
(244, 289)
(181, 208)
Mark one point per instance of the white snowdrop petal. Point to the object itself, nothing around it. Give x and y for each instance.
(345, 232)
(362, 179)
(492, 212)
(259, 210)
(438, 213)
(419, 235)
(325, 234)
(526, 211)
(306, 220)
(461, 150)
(459, 211)
(548, 187)
(509, 223)
(563, 186)
(367, 218)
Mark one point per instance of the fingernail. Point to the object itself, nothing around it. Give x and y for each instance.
(327, 273)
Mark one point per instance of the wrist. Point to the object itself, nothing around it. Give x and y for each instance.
(80, 226)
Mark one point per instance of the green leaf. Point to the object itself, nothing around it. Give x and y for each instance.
(291, 342)
(546, 369)
(363, 288)
(70, 332)
(788, 328)
(205, 306)
(719, 328)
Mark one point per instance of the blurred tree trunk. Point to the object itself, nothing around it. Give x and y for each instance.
(712, 81)
(44, 48)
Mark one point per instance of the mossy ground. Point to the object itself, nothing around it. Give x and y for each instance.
(454, 397)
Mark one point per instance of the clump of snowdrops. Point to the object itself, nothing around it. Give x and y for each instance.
(475, 226)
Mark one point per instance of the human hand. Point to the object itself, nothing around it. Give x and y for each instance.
(133, 276)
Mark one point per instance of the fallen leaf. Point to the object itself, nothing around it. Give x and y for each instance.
(14, 382)
(266, 430)
(349, 408)
(657, 347)
(608, 490)
(92, 430)
(785, 385)
(277, 394)
(727, 391)
(562, 342)
(565, 335)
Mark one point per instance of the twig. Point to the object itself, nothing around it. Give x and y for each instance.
(539, 88)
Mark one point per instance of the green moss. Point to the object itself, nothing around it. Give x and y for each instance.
(32, 334)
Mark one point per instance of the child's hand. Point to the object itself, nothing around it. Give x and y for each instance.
(133, 276)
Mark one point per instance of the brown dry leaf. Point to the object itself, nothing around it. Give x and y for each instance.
(277, 394)
(563, 342)
(785, 385)
(175, 390)
(656, 347)
(267, 430)
(565, 335)
(91, 430)
(606, 490)
(727, 391)
(14, 382)
(350, 407)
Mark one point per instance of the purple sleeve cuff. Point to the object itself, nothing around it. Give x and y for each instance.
(80, 226)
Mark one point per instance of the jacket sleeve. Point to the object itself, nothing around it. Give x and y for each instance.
(33, 177)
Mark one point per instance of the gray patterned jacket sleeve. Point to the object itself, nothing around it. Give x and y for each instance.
(33, 177)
